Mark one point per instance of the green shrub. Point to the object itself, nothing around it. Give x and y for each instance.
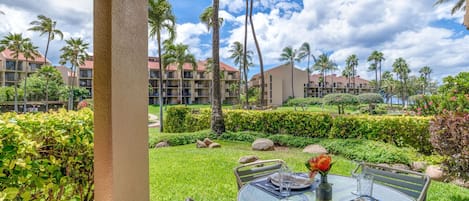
(371, 99)
(176, 118)
(341, 100)
(304, 101)
(46, 156)
(450, 137)
(175, 139)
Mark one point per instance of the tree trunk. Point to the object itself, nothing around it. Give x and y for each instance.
(181, 84)
(25, 99)
(16, 85)
(70, 100)
(379, 83)
(245, 63)
(353, 73)
(239, 83)
(47, 48)
(308, 72)
(292, 88)
(160, 88)
(218, 124)
(261, 63)
(47, 94)
(376, 77)
(246, 87)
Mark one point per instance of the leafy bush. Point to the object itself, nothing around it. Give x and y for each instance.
(175, 139)
(341, 100)
(46, 156)
(303, 101)
(371, 99)
(450, 137)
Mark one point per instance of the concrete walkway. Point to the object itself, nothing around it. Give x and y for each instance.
(155, 121)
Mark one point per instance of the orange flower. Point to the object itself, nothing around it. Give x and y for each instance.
(321, 164)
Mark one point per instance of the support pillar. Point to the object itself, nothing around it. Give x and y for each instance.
(120, 100)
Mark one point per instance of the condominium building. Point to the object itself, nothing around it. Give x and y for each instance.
(196, 84)
(278, 84)
(8, 75)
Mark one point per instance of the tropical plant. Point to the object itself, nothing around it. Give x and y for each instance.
(45, 25)
(371, 99)
(401, 68)
(206, 18)
(237, 54)
(460, 5)
(217, 123)
(290, 55)
(322, 64)
(425, 75)
(305, 52)
(29, 52)
(74, 52)
(352, 63)
(15, 43)
(389, 86)
(259, 54)
(161, 18)
(341, 100)
(376, 57)
(179, 55)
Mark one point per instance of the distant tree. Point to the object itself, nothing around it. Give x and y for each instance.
(74, 52)
(371, 99)
(46, 83)
(29, 52)
(206, 18)
(161, 18)
(322, 64)
(15, 43)
(376, 57)
(352, 63)
(259, 54)
(401, 68)
(460, 5)
(290, 55)
(340, 100)
(305, 52)
(45, 25)
(237, 54)
(389, 85)
(347, 72)
(425, 75)
(217, 123)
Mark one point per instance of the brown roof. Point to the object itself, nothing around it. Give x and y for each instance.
(8, 54)
(315, 79)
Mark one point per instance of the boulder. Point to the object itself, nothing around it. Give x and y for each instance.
(461, 182)
(207, 141)
(200, 144)
(248, 159)
(384, 165)
(263, 144)
(162, 144)
(315, 149)
(400, 166)
(434, 172)
(214, 145)
(418, 166)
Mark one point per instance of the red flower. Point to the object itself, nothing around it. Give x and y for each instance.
(321, 164)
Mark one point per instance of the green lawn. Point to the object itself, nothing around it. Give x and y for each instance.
(205, 174)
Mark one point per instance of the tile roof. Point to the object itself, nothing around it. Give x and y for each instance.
(315, 79)
(8, 54)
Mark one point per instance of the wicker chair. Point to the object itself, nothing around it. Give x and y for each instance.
(255, 170)
(413, 184)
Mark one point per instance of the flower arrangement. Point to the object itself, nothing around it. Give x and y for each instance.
(322, 164)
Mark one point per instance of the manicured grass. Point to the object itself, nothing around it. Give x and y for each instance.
(207, 174)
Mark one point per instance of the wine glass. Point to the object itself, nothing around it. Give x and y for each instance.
(354, 174)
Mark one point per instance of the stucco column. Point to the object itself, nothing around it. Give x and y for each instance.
(466, 16)
(120, 100)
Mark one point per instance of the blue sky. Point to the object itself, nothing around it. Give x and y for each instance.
(422, 34)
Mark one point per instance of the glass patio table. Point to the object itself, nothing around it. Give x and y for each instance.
(342, 188)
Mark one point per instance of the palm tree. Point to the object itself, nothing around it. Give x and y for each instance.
(401, 68)
(217, 123)
(377, 58)
(259, 54)
(323, 64)
(460, 5)
(48, 73)
(237, 54)
(352, 63)
(347, 72)
(206, 17)
(29, 52)
(161, 18)
(425, 74)
(290, 55)
(245, 46)
(46, 25)
(388, 85)
(179, 55)
(305, 51)
(75, 53)
(15, 43)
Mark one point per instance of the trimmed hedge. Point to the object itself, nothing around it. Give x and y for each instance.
(397, 130)
(46, 156)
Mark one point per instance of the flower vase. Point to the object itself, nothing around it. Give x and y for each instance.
(324, 190)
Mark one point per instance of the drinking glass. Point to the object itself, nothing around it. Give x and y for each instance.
(365, 185)
(286, 180)
(356, 176)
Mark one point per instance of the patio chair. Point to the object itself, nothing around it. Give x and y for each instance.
(255, 170)
(413, 184)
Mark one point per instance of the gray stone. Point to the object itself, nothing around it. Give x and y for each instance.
(418, 166)
(434, 172)
(384, 165)
(400, 166)
(263, 144)
(207, 141)
(214, 145)
(248, 159)
(162, 144)
(200, 144)
(189, 199)
(315, 149)
(461, 182)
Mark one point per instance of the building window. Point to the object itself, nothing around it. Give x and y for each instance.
(170, 74)
(87, 73)
(335, 84)
(10, 76)
(34, 66)
(154, 74)
(10, 65)
(188, 74)
(361, 85)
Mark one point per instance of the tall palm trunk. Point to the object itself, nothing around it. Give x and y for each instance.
(376, 77)
(160, 88)
(47, 48)
(379, 83)
(245, 51)
(70, 100)
(47, 93)
(25, 99)
(218, 124)
(182, 86)
(309, 79)
(323, 83)
(292, 88)
(239, 82)
(353, 74)
(16, 84)
(246, 86)
(261, 63)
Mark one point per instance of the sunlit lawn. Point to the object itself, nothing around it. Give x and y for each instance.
(177, 173)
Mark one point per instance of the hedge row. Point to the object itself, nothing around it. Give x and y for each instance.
(398, 130)
(46, 156)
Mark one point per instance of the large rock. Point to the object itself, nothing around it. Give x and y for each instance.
(263, 144)
(434, 172)
(400, 166)
(162, 144)
(200, 144)
(315, 149)
(418, 166)
(207, 141)
(248, 159)
(214, 145)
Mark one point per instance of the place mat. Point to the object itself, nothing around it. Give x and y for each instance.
(267, 186)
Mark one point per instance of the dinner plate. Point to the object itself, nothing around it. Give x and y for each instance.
(299, 182)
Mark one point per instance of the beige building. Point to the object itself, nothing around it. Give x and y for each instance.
(25, 67)
(196, 88)
(278, 88)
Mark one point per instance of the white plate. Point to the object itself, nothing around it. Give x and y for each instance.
(299, 182)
